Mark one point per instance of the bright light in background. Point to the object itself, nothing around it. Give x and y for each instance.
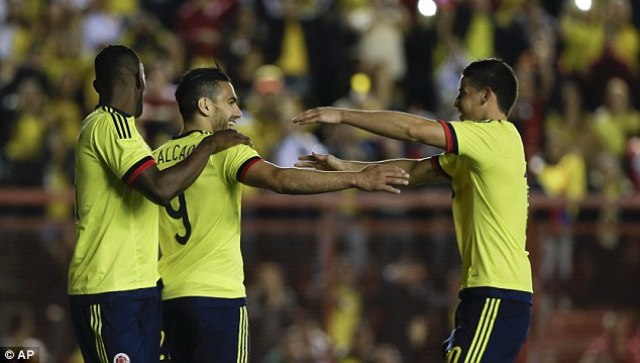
(584, 5)
(429, 8)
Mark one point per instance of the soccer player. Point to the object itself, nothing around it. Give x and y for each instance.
(204, 301)
(113, 274)
(484, 161)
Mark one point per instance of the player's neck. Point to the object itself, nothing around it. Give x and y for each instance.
(197, 124)
(495, 114)
(120, 101)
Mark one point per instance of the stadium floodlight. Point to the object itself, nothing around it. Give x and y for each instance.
(427, 7)
(584, 5)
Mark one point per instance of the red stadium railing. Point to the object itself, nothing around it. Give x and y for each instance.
(327, 224)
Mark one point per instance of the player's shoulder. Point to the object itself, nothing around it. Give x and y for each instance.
(106, 119)
(496, 128)
(190, 137)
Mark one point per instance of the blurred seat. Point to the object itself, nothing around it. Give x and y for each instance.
(565, 336)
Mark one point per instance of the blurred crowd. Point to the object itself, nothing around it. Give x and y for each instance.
(578, 71)
(578, 113)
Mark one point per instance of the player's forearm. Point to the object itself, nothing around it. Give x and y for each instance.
(183, 174)
(420, 171)
(393, 124)
(408, 165)
(161, 186)
(173, 181)
(352, 165)
(302, 181)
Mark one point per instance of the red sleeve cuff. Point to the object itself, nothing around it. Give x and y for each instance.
(450, 135)
(242, 171)
(133, 173)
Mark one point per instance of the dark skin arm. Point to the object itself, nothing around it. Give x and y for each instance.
(161, 186)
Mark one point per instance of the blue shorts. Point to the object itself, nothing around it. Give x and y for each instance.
(200, 329)
(491, 325)
(120, 327)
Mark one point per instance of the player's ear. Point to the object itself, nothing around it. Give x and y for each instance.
(486, 94)
(204, 105)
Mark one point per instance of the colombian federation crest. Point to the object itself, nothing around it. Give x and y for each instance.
(121, 358)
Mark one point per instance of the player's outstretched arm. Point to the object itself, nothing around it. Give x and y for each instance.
(161, 186)
(328, 162)
(421, 171)
(394, 124)
(303, 181)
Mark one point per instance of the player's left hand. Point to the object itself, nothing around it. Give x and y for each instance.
(326, 162)
(381, 178)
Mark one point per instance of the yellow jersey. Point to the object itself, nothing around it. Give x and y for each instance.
(116, 226)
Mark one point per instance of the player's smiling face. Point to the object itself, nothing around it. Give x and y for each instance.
(469, 101)
(226, 108)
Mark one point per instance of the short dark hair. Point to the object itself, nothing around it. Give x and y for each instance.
(113, 61)
(197, 83)
(497, 75)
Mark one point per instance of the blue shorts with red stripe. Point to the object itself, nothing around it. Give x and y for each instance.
(491, 325)
(121, 326)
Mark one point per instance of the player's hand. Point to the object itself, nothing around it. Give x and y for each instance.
(327, 115)
(225, 139)
(381, 178)
(326, 162)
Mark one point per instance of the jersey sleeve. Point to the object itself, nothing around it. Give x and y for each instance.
(478, 141)
(237, 160)
(122, 148)
(435, 164)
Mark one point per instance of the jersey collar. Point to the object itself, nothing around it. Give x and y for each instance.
(113, 109)
(192, 132)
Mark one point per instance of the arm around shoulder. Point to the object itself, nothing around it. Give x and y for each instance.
(161, 186)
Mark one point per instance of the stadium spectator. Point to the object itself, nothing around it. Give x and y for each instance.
(269, 104)
(582, 36)
(199, 26)
(273, 307)
(25, 150)
(241, 52)
(561, 173)
(101, 26)
(616, 120)
(20, 331)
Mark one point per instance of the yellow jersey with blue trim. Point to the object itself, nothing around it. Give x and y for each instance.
(486, 163)
(200, 229)
(116, 226)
